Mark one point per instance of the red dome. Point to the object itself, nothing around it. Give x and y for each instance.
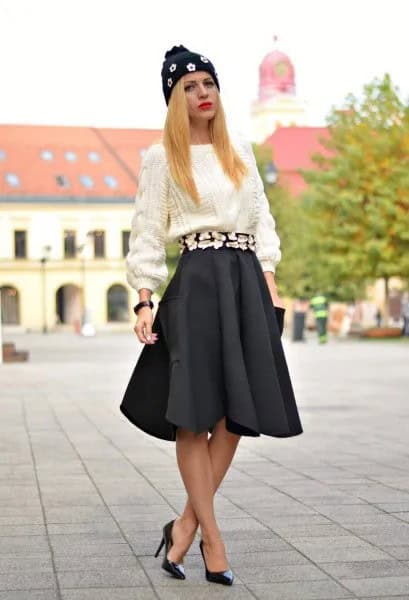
(277, 75)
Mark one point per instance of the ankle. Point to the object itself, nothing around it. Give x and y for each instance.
(188, 524)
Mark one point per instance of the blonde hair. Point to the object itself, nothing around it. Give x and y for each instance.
(176, 140)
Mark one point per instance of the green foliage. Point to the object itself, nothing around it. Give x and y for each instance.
(352, 225)
(297, 274)
(358, 197)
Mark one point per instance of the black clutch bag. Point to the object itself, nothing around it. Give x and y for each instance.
(280, 318)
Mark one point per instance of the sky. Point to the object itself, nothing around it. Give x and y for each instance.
(98, 62)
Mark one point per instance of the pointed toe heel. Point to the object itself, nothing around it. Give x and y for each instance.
(223, 577)
(173, 568)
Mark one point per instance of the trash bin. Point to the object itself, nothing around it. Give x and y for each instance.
(298, 326)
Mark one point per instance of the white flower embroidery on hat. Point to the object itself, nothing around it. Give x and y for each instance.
(172, 67)
(204, 59)
(191, 67)
(170, 81)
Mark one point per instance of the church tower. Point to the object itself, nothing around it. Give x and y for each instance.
(277, 104)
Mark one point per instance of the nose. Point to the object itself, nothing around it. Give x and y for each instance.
(203, 91)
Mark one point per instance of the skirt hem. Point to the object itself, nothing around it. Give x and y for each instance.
(209, 429)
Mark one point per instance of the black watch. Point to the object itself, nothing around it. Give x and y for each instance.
(143, 303)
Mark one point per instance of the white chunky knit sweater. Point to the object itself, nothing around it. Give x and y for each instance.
(164, 211)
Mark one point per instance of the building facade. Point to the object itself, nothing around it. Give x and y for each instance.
(66, 204)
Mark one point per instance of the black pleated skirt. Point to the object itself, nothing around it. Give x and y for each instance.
(219, 353)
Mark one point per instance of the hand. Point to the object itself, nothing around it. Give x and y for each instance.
(272, 286)
(277, 300)
(143, 326)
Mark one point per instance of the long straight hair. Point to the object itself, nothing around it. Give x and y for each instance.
(176, 140)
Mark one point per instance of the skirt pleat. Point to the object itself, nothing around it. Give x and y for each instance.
(219, 353)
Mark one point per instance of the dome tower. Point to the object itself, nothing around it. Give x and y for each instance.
(277, 103)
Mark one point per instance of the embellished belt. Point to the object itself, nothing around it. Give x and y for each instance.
(217, 239)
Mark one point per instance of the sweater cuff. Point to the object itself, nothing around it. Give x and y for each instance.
(268, 265)
(142, 282)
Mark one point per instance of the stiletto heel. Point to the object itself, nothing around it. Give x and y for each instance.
(223, 577)
(173, 568)
(162, 542)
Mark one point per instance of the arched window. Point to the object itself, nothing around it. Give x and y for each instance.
(68, 304)
(118, 304)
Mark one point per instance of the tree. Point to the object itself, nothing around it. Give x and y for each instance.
(358, 200)
(294, 275)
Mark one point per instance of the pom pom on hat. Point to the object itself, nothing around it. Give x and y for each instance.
(176, 50)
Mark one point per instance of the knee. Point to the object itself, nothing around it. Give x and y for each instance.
(221, 426)
(184, 435)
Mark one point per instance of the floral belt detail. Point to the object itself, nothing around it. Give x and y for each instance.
(217, 239)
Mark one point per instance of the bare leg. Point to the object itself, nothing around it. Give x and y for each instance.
(220, 451)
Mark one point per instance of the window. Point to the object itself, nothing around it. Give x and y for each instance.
(46, 155)
(12, 179)
(70, 249)
(94, 156)
(71, 156)
(20, 244)
(110, 181)
(62, 181)
(125, 242)
(99, 244)
(2, 155)
(86, 181)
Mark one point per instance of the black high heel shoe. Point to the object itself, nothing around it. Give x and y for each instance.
(223, 577)
(174, 569)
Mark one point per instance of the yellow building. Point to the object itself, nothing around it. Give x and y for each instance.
(66, 203)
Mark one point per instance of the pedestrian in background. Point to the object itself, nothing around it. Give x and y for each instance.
(319, 305)
(212, 360)
(405, 313)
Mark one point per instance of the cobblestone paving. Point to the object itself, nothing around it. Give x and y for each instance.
(84, 494)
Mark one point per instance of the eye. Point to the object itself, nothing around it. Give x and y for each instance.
(189, 87)
(210, 83)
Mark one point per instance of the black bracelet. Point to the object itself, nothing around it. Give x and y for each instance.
(143, 303)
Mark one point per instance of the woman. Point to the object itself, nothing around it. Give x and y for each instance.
(212, 359)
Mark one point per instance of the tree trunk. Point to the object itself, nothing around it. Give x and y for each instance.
(386, 310)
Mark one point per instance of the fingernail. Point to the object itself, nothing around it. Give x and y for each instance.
(148, 337)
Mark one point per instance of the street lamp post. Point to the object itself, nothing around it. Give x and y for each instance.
(270, 173)
(43, 260)
(86, 325)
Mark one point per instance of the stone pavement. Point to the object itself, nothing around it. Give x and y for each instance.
(84, 494)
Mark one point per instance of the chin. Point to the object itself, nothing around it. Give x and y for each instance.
(206, 116)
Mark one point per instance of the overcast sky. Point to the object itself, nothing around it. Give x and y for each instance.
(98, 62)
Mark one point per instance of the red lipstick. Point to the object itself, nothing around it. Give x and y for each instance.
(205, 105)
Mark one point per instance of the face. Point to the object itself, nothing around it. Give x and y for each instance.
(201, 95)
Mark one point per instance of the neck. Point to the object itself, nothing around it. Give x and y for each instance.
(199, 133)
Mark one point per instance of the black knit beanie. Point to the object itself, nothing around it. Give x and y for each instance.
(179, 61)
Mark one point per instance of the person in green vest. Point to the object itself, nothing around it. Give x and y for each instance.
(319, 305)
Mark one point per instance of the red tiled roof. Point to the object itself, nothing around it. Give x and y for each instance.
(118, 151)
(120, 156)
(292, 149)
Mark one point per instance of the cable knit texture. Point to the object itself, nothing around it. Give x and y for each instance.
(164, 211)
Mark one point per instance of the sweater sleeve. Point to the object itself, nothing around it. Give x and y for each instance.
(267, 241)
(146, 260)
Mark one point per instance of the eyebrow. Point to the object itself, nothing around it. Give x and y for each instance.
(195, 81)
